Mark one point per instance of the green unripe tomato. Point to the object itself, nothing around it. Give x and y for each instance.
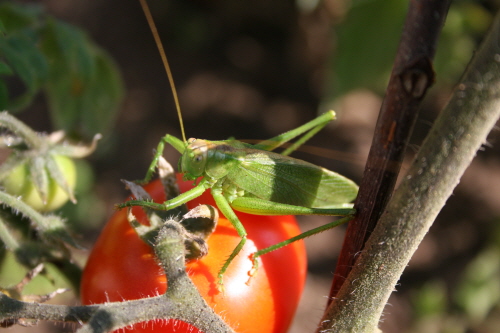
(19, 183)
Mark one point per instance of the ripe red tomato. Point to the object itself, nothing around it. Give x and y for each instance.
(121, 266)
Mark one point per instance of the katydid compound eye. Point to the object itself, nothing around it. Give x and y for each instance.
(194, 158)
(198, 158)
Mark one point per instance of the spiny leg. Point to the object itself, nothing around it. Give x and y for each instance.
(303, 235)
(307, 131)
(174, 142)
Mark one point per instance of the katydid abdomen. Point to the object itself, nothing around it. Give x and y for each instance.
(282, 179)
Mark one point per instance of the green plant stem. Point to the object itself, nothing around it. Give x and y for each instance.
(14, 309)
(181, 301)
(50, 226)
(26, 210)
(411, 76)
(19, 128)
(449, 148)
(6, 237)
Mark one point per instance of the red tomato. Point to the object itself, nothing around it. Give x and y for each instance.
(121, 266)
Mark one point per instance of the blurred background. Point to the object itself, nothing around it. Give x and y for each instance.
(254, 69)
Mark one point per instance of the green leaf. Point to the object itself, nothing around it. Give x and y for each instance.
(37, 52)
(15, 16)
(21, 54)
(5, 69)
(2, 28)
(465, 23)
(367, 43)
(479, 290)
(104, 95)
(430, 300)
(84, 89)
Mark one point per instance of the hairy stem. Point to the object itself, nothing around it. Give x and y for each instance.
(19, 128)
(412, 74)
(451, 145)
(181, 301)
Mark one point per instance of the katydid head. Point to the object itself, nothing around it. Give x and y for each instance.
(194, 159)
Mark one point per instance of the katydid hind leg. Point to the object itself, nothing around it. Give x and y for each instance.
(258, 206)
(303, 235)
(306, 131)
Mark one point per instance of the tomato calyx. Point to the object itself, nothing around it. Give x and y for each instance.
(37, 177)
(40, 169)
(196, 226)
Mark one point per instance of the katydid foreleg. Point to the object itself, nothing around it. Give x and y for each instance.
(182, 198)
(179, 145)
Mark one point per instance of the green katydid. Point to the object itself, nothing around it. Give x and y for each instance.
(253, 179)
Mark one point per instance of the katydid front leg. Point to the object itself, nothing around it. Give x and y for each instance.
(179, 145)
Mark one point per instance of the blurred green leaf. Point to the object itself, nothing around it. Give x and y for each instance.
(11, 272)
(479, 291)
(15, 16)
(4, 94)
(101, 107)
(2, 28)
(85, 89)
(466, 21)
(40, 53)
(430, 300)
(50, 279)
(366, 45)
(19, 51)
(5, 69)
(368, 37)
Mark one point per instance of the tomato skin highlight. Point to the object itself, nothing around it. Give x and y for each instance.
(121, 266)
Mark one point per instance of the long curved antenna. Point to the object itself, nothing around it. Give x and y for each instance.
(159, 44)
